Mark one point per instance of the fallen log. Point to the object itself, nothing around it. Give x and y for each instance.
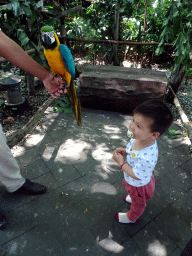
(184, 117)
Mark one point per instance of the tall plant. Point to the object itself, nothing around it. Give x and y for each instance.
(177, 29)
(22, 20)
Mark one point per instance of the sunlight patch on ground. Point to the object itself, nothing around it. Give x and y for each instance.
(157, 249)
(104, 156)
(112, 131)
(48, 152)
(104, 187)
(109, 129)
(103, 172)
(100, 153)
(34, 139)
(109, 244)
(72, 150)
(18, 150)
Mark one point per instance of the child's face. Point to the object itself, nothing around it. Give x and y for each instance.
(140, 127)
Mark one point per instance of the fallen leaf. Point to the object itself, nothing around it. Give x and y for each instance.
(86, 210)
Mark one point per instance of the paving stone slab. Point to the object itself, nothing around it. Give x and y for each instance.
(47, 151)
(176, 252)
(166, 191)
(154, 241)
(129, 248)
(9, 202)
(185, 244)
(27, 157)
(172, 224)
(184, 149)
(163, 146)
(35, 169)
(112, 237)
(51, 239)
(93, 208)
(76, 191)
(169, 162)
(89, 165)
(183, 206)
(109, 229)
(188, 166)
(181, 179)
(64, 173)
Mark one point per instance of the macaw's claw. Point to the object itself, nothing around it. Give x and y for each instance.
(65, 87)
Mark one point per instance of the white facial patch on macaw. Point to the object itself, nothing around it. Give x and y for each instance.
(48, 37)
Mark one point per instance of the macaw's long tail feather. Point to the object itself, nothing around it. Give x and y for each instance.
(72, 94)
(79, 112)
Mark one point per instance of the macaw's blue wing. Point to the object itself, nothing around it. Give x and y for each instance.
(68, 59)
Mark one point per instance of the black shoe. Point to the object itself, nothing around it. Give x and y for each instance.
(31, 188)
(3, 221)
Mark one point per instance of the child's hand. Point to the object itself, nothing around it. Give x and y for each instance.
(118, 157)
(121, 151)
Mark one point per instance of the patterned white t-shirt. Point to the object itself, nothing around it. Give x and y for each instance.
(142, 162)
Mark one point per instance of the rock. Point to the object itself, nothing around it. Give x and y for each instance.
(119, 88)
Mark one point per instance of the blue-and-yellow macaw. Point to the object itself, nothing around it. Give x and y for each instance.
(61, 62)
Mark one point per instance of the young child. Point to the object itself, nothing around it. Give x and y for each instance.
(150, 120)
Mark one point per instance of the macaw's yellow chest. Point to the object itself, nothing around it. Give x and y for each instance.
(56, 63)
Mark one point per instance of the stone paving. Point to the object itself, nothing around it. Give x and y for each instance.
(76, 214)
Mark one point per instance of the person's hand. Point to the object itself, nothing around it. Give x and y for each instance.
(118, 157)
(54, 85)
(121, 151)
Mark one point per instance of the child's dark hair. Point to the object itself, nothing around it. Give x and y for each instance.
(158, 112)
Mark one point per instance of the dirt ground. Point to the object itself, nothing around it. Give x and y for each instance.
(13, 119)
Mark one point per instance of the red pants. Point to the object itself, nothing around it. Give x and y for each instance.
(139, 196)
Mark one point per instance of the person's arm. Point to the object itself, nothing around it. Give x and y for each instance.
(10, 50)
(125, 167)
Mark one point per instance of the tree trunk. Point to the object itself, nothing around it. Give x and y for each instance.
(116, 36)
(175, 82)
(62, 29)
(145, 15)
(30, 84)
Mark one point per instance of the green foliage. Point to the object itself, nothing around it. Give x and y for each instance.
(1, 102)
(189, 73)
(22, 22)
(172, 133)
(63, 104)
(97, 23)
(177, 29)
